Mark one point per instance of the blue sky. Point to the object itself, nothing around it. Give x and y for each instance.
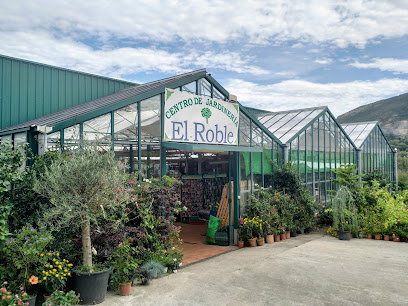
(274, 55)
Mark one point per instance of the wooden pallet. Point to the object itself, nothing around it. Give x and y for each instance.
(223, 208)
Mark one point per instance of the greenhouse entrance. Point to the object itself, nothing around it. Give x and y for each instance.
(207, 190)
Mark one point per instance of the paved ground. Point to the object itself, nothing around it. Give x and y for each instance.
(306, 270)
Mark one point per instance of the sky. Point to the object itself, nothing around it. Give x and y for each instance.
(274, 55)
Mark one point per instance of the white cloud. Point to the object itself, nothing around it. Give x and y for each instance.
(343, 22)
(385, 64)
(324, 61)
(295, 94)
(118, 62)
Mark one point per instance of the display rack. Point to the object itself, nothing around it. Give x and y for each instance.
(201, 190)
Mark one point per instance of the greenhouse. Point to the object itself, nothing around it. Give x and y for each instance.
(314, 142)
(187, 126)
(376, 152)
(134, 123)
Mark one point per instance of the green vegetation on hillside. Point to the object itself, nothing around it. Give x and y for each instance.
(384, 111)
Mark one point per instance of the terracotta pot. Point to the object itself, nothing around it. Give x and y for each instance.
(287, 235)
(377, 236)
(240, 244)
(283, 236)
(387, 237)
(260, 241)
(269, 239)
(369, 236)
(277, 238)
(125, 288)
(46, 297)
(395, 238)
(252, 242)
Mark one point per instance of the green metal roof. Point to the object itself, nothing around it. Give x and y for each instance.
(97, 107)
(30, 90)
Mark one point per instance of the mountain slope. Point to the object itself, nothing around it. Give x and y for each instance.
(392, 115)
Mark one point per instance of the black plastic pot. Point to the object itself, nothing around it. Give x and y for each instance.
(92, 287)
(344, 235)
(308, 230)
(31, 302)
(293, 234)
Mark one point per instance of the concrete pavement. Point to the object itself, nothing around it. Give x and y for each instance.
(307, 270)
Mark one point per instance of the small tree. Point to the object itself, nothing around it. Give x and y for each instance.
(83, 188)
(344, 211)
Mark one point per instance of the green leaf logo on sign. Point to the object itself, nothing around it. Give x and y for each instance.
(206, 113)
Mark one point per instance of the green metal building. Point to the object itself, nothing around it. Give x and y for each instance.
(51, 107)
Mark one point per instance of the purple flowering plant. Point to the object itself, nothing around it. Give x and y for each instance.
(25, 247)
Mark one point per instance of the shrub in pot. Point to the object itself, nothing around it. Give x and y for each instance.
(344, 213)
(123, 261)
(83, 188)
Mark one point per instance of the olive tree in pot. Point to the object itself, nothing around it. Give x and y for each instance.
(344, 213)
(85, 187)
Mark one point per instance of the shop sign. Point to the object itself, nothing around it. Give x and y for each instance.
(199, 119)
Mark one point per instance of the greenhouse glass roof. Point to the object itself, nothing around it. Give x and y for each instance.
(285, 125)
(358, 132)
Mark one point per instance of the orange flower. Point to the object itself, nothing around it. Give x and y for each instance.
(33, 280)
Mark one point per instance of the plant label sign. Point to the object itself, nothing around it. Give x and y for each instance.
(199, 119)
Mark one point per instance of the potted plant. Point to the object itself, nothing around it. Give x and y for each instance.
(9, 298)
(344, 216)
(53, 272)
(124, 262)
(246, 231)
(24, 251)
(148, 271)
(282, 232)
(61, 298)
(83, 188)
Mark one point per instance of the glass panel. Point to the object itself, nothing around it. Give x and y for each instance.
(204, 88)
(190, 87)
(244, 130)
(245, 183)
(256, 136)
(54, 141)
(71, 134)
(217, 94)
(125, 124)
(5, 138)
(150, 119)
(20, 139)
(98, 128)
(150, 160)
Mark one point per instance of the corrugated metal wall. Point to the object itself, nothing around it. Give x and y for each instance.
(30, 90)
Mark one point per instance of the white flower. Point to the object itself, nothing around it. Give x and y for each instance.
(94, 251)
(175, 259)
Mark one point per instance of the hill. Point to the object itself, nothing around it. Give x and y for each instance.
(392, 115)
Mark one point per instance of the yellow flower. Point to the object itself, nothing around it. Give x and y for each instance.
(44, 278)
(69, 274)
(41, 255)
(65, 270)
(56, 275)
(57, 263)
(57, 254)
(53, 259)
(51, 266)
(55, 270)
(60, 267)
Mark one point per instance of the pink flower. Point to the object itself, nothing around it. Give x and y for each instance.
(117, 198)
(4, 290)
(399, 220)
(5, 283)
(323, 206)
